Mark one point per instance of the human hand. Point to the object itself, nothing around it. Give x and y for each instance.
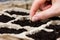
(49, 9)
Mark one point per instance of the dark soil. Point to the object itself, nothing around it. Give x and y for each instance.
(10, 31)
(43, 35)
(17, 13)
(55, 18)
(56, 28)
(4, 18)
(28, 23)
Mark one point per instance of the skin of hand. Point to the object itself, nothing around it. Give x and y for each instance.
(48, 10)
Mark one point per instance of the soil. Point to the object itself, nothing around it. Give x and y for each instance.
(10, 31)
(55, 18)
(43, 35)
(4, 18)
(28, 23)
(17, 13)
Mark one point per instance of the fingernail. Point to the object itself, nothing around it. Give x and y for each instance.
(34, 18)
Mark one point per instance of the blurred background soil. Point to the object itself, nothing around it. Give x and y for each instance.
(26, 4)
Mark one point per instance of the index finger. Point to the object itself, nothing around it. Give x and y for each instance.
(35, 6)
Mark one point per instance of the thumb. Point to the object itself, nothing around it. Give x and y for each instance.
(45, 14)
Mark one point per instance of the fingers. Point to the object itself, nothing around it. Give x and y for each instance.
(46, 5)
(42, 7)
(45, 14)
(35, 6)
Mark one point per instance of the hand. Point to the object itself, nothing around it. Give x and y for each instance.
(49, 9)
